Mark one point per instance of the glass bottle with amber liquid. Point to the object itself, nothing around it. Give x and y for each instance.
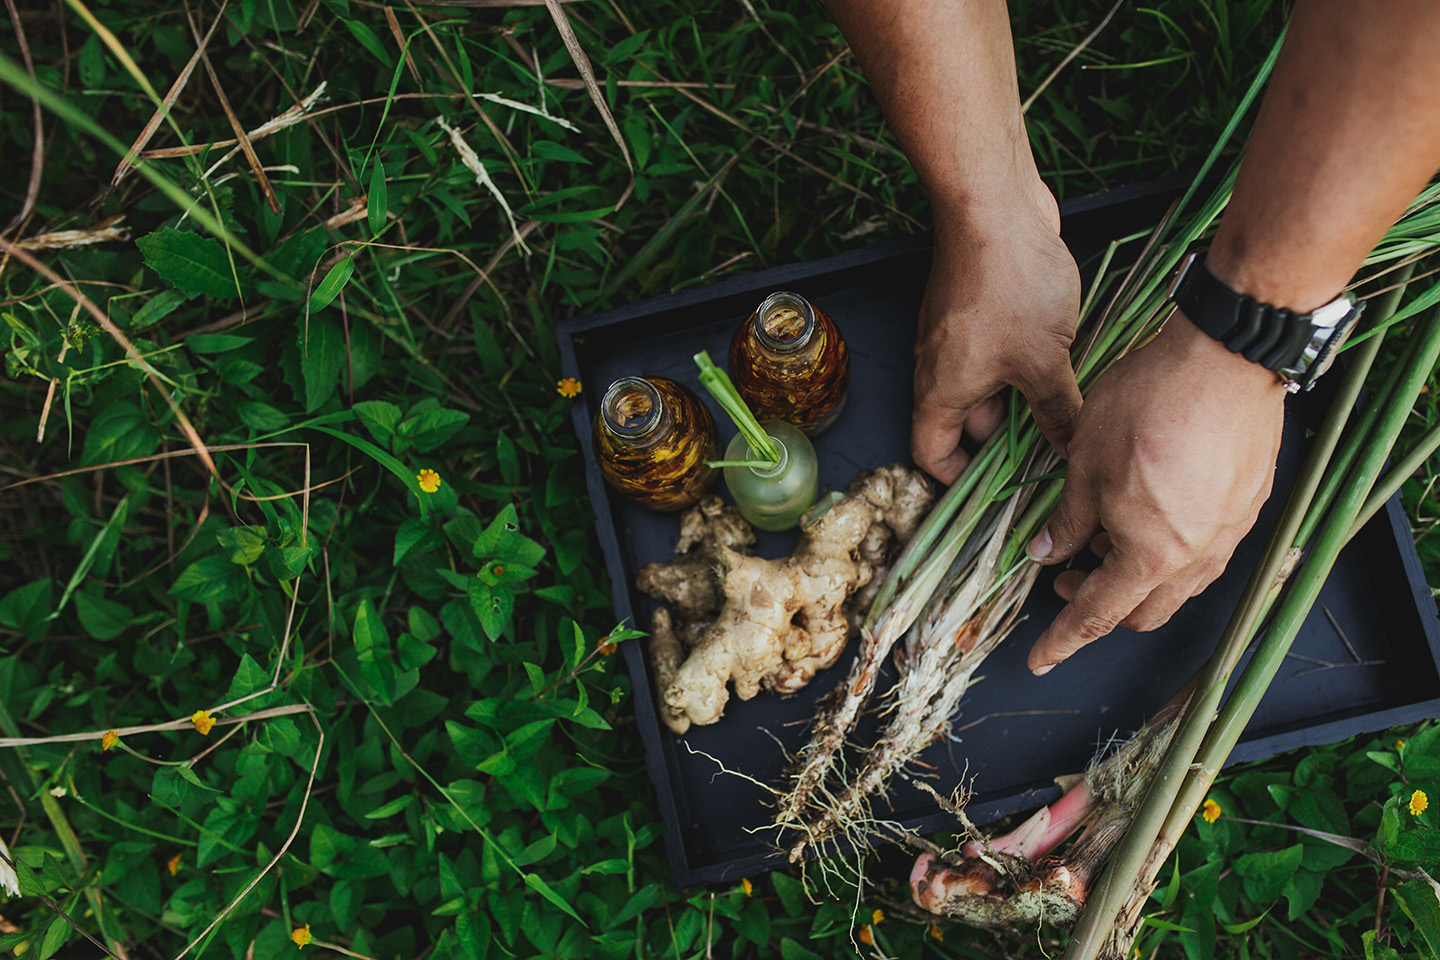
(653, 438)
(790, 362)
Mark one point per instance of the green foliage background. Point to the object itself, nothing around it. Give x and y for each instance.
(426, 675)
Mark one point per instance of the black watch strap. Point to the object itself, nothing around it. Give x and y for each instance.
(1271, 336)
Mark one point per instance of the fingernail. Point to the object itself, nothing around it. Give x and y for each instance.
(1041, 671)
(1040, 546)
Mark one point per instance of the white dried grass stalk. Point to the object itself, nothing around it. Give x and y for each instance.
(471, 160)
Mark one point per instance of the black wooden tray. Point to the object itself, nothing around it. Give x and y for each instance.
(1014, 732)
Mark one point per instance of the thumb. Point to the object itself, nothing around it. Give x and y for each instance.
(1075, 520)
(1054, 403)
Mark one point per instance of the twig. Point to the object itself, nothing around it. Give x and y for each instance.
(1074, 52)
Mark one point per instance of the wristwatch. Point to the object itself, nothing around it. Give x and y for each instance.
(1298, 347)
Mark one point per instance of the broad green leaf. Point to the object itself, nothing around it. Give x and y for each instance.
(626, 48)
(245, 544)
(391, 808)
(322, 357)
(215, 342)
(27, 608)
(261, 417)
(121, 431)
(372, 647)
(508, 460)
(1266, 874)
(157, 308)
(378, 198)
(431, 428)
(550, 150)
(1419, 843)
(1387, 760)
(59, 930)
(369, 40)
(211, 579)
(335, 279)
(493, 605)
(1420, 903)
(1375, 950)
(537, 851)
(415, 538)
(792, 950)
(380, 419)
(194, 263)
(248, 678)
(103, 619)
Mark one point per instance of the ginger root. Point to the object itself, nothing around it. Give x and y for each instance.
(769, 624)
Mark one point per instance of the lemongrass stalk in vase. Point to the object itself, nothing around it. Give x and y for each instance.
(770, 469)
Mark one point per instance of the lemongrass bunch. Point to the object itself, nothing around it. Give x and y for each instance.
(1336, 493)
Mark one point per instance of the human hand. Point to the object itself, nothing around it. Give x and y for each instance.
(1000, 308)
(1173, 454)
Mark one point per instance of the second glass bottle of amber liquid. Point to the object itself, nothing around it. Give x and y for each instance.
(789, 362)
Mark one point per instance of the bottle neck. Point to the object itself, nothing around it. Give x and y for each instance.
(779, 468)
(784, 322)
(632, 409)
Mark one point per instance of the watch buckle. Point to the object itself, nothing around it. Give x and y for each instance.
(1180, 273)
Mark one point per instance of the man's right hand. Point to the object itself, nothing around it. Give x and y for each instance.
(1000, 308)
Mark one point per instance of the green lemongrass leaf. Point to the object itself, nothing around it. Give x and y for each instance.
(1011, 487)
(756, 464)
(717, 382)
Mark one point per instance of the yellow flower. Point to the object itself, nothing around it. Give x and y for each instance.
(747, 886)
(173, 864)
(111, 738)
(607, 647)
(569, 387)
(936, 932)
(301, 936)
(866, 937)
(1399, 745)
(203, 721)
(429, 480)
(1418, 803)
(1210, 811)
(878, 916)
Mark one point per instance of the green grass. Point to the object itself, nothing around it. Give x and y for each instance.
(480, 788)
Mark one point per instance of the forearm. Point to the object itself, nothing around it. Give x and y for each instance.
(944, 73)
(1348, 133)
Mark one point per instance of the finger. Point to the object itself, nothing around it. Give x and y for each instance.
(1156, 610)
(985, 418)
(1106, 597)
(935, 434)
(1100, 544)
(1075, 520)
(1068, 583)
(935, 442)
(1054, 403)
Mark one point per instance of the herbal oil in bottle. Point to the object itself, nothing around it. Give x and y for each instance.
(790, 362)
(652, 439)
(772, 498)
